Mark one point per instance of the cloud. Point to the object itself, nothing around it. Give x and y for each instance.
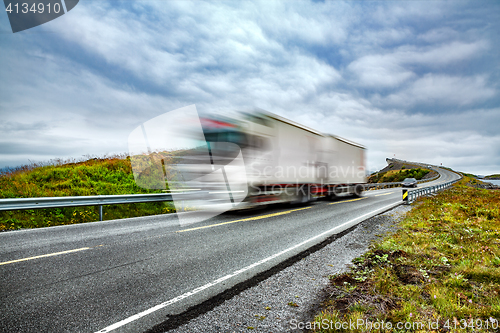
(372, 72)
(464, 150)
(386, 37)
(443, 54)
(407, 13)
(395, 68)
(207, 54)
(379, 71)
(440, 90)
(15, 127)
(441, 34)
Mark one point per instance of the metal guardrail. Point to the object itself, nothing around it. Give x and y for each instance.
(100, 200)
(95, 200)
(410, 196)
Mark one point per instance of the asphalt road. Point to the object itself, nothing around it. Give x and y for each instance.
(131, 274)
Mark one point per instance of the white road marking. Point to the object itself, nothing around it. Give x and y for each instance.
(227, 277)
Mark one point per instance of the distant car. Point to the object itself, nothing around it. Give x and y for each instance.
(409, 182)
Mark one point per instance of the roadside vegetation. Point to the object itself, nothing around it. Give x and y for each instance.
(398, 175)
(439, 271)
(494, 177)
(95, 176)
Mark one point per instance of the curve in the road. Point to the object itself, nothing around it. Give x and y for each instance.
(135, 273)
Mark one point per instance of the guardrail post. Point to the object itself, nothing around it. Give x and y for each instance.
(100, 212)
(405, 197)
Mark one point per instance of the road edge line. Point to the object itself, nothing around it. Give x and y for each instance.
(315, 239)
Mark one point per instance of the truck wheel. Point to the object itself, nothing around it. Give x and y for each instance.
(333, 192)
(332, 196)
(304, 195)
(358, 190)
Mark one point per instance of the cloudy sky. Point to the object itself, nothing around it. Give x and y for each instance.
(414, 79)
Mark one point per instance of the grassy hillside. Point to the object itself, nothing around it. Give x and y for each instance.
(442, 266)
(103, 176)
(470, 175)
(397, 175)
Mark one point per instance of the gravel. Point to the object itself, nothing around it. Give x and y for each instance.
(294, 294)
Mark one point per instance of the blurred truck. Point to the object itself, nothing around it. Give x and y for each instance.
(284, 161)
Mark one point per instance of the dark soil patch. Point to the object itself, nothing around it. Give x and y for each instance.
(342, 300)
(408, 274)
(339, 280)
(438, 270)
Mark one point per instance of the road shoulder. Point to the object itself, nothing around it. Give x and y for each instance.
(293, 295)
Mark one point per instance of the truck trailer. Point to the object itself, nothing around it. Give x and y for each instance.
(242, 160)
(289, 162)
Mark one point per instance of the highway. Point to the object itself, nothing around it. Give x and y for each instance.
(132, 274)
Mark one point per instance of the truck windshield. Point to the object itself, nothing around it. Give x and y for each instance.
(235, 137)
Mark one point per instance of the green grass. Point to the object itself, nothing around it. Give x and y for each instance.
(98, 176)
(398, 176)
(442, 265)
(469, 175)
(497, 176)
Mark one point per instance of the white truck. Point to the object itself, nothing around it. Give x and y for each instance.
(286, 161)
(241, 161)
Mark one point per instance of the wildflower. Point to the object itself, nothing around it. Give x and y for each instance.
(470, 301)
(410, 314)
(434, 296)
